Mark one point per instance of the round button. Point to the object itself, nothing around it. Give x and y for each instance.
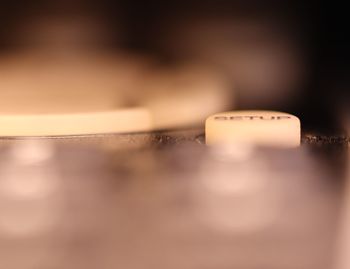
(128, 120)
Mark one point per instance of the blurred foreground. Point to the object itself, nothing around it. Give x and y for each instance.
(166, 201)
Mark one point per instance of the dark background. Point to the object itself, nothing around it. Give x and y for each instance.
(319, 28)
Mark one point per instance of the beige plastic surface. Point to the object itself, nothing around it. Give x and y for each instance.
(263, 128)
(118, 121)
(45, 95)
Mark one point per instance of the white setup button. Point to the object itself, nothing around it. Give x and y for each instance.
(263, 128)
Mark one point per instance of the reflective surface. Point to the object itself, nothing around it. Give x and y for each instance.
(165, 201)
